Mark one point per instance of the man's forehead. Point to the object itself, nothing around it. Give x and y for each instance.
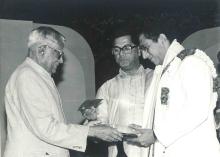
(51, 43)
(144, 41)
(123, 40)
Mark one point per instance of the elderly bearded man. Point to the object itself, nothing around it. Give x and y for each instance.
(35, 120)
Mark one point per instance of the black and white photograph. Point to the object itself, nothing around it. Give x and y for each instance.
(110, 78)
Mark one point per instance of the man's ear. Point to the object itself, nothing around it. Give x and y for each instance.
(162, 39)
(41, 50)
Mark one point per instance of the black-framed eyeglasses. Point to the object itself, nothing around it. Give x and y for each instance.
(125, 49)
(59, 53)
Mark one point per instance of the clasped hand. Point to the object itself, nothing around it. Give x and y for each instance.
(145, 137)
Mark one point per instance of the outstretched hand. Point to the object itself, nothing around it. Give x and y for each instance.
(105, 133)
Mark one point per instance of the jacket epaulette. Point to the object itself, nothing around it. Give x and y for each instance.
(186, 52)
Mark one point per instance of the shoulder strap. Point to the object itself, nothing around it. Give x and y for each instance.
(186, 52)
(181, 55)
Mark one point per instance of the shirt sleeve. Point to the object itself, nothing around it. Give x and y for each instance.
(39, 111)
(102, 109)
(195, 84)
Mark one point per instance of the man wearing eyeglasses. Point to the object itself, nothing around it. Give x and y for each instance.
(36, 125)
(183, 96)
(123, 95)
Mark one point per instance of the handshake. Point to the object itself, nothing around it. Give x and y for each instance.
(139, 137)
(133, 134)
(97, 130)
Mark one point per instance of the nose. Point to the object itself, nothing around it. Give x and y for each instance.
(122, 53)
(145, 54)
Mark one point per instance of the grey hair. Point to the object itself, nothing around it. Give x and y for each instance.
(44, 33)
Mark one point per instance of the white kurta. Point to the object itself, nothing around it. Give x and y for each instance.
(185, 126)
(35, 120)
(123, 104)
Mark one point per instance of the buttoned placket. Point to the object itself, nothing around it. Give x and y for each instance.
(59, 98)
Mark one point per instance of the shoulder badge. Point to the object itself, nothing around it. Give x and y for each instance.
(186, 52)
(164, 95)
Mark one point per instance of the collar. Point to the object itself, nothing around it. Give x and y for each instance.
(37, 67)
(123, 74)
(174, 49)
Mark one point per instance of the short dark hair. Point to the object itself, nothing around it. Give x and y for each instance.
(155, 29)
(123, 30)
(149, 34)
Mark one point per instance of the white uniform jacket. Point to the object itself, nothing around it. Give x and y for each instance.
(184, 124)
(35, 120)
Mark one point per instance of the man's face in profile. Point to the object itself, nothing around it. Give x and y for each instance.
(152, 50)
(53, 56)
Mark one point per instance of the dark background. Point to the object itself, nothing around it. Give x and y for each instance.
(95, 20)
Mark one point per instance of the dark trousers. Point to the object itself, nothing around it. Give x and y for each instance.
(121, 152)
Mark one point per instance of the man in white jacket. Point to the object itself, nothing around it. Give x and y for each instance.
(35, 120)
(182, 100)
